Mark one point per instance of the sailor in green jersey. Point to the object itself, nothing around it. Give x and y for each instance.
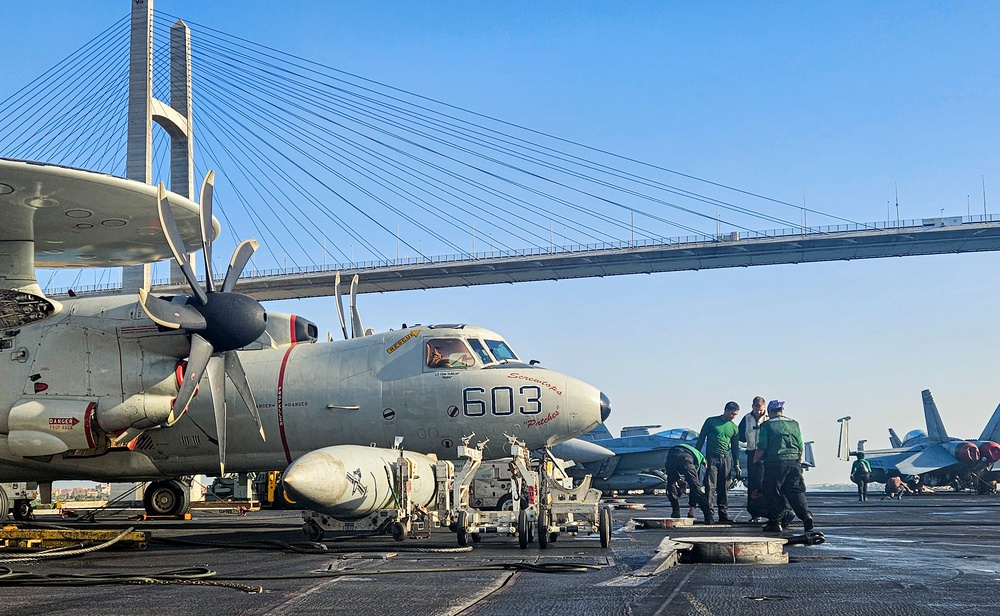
(721, 439)
(684, 462)
(861, 474)
(780, 446)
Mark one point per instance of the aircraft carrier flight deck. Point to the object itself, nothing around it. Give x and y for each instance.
(929, 554)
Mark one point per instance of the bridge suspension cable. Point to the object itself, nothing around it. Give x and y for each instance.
(320, 162)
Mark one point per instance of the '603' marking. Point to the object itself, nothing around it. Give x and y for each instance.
(501, 401)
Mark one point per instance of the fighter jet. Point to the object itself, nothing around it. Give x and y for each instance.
(637, 457)
(934, 457)
(635, 461)
(134, 387)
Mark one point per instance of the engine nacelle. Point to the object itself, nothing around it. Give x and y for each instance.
(47, 426)
(351, 481)
(990, 451)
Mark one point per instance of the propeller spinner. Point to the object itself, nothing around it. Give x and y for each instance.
(219, 320)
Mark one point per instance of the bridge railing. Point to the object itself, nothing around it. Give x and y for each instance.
(575, 249)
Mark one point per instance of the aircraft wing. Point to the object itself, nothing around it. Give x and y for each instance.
(930, 459)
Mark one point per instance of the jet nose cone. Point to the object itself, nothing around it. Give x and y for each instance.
(605, 407)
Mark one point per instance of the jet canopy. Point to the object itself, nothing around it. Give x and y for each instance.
(913, 435)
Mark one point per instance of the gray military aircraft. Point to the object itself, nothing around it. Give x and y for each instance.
(637, 457)
(106, 388)
(933, 456)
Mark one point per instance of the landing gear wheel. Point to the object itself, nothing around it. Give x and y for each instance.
(522, 529)
(461, 530)
(531, 532)
(166, 498)
(312, 531)
(22, 510)
(398, 531)
(476, 537)
(543, 528)
(604, 526)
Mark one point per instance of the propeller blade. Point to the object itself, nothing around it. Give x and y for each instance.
(207, 187)
(356, 329)
(217, 382)
(167, 314)
(240, 258)
(201, 352)
(340, 305)
(239, 378)
(176, 244)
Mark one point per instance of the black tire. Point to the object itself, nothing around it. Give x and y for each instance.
(543, 528)
(312, 531)
(398, 531)
(505, 503)
(22, 510)
(604, 526)
(461, 530)
(522, 529)
(476, 537)
(166, 498)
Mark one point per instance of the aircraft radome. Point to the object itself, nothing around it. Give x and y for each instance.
(104, 388)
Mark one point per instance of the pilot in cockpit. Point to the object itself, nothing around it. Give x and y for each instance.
(446, 353)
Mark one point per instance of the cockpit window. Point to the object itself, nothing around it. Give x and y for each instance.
(681, 434)
(500, 350)
(480, 350)
(448, 353)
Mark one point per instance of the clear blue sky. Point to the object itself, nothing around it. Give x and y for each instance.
(833, 102)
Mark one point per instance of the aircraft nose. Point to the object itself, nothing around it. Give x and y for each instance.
(605, 407)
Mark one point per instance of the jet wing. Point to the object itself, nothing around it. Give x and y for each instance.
(927, 460)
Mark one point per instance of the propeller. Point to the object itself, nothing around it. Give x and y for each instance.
(219, 321)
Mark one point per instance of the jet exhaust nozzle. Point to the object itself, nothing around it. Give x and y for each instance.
(967, 452)
(990, 451)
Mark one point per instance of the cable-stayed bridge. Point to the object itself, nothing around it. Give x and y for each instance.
(333, 171)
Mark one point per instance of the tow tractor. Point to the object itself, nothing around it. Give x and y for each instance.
(15, 498)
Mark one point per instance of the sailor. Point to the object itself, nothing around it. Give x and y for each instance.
(781, 448)
(861, 474)
(749, 431)
(682, 467)
(721, 439)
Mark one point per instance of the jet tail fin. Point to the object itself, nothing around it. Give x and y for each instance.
(843, 449)
(935, 427)
(894, 439)
(808, 459)
(992, 430)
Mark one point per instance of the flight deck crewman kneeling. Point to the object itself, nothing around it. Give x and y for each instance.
(780, 446)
